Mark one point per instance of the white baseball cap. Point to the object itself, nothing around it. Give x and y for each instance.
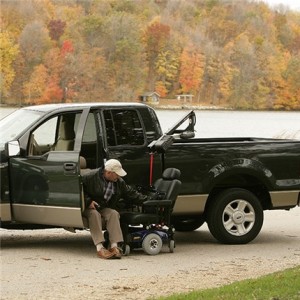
(115, 166)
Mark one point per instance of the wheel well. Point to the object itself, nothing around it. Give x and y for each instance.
(243, 181)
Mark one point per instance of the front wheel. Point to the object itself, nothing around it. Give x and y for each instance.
(126, 250)
(152, 244)
(235, 216)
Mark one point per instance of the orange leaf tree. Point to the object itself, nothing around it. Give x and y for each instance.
(191, 70)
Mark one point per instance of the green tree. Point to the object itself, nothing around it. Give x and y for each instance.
(92, 30)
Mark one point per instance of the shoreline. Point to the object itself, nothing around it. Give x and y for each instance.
(172, 107)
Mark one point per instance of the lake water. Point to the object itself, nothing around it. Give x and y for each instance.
(231, 123)
(239, 123)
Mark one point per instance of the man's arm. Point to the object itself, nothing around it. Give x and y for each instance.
(131, 194)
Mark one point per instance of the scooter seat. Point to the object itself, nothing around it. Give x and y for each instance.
(135, 218)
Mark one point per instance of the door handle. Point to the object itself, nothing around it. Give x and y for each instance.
(70, 166)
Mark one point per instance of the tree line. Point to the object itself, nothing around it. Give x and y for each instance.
(229, 53)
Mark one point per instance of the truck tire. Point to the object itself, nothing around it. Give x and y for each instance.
(188, 224)
(235, 216)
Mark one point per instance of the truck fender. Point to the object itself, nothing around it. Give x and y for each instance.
(241, 166)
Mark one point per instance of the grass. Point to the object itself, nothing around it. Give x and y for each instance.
(284, 285)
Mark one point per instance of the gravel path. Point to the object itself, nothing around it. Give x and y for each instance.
(55, 264)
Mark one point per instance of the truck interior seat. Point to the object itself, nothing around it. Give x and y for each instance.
(66, 138)
(83, 166)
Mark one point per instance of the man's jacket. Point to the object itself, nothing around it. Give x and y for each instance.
(93, 186)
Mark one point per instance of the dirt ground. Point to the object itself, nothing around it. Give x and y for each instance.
(56, 264)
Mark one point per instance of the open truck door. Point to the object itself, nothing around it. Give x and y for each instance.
(45, 182)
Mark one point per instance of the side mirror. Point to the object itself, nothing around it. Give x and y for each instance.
(13, 148)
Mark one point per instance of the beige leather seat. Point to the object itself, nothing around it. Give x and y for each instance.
(66, 138)
(83, 167)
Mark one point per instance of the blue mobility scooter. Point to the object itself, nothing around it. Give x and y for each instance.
(150, 228)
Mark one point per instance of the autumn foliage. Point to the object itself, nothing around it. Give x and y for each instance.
(237, 54)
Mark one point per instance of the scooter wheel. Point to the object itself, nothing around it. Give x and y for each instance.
(152, 244)
(126, 250)
(172, 246)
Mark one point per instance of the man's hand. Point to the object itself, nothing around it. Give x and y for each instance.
(94, 205)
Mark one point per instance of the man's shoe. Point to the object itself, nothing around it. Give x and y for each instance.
(104, 253)
(117, 253)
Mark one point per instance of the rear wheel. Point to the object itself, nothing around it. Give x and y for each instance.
(235, 216)
(171, 246)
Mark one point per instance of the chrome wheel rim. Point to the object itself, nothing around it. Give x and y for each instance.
(238, 217)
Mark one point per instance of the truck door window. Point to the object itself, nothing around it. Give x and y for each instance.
(90, 133)
(57, 133)
(123, 127)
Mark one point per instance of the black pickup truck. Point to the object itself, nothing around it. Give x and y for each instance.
(226, 182)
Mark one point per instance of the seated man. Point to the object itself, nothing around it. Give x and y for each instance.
(103, 188)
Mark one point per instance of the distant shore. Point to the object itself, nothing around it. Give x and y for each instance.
(187, 107)
(164, 105)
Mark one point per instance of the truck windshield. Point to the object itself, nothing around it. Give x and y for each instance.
(14, 124)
